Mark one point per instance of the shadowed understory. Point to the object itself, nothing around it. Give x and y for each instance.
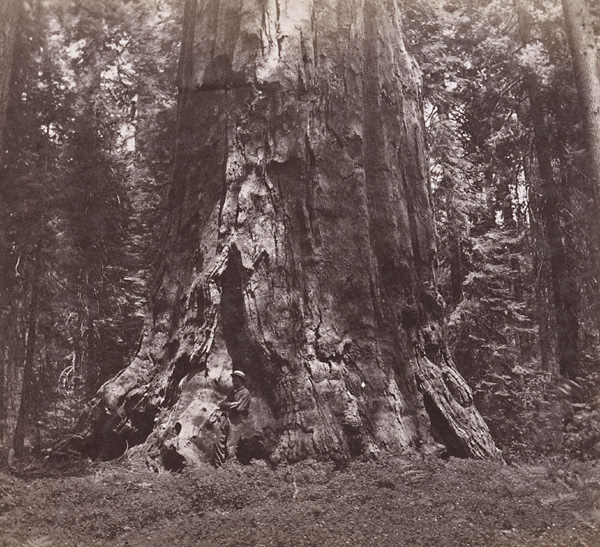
(394, 502)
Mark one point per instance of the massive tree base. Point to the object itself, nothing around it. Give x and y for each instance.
(300, 250)
(325, 406)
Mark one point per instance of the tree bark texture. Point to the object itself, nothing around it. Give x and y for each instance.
(300, 249)
(27, 403)
(9, 14)
(585, 63)
(13, 355)
(587, 76)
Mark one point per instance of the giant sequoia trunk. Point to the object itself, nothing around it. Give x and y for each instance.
(300, 249)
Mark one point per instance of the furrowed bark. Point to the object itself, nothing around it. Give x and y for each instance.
(9, 15)
(582, 43)
(585, 64)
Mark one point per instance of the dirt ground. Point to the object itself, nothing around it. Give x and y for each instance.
(395, 502)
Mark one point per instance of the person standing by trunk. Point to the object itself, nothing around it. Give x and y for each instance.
(234, 411)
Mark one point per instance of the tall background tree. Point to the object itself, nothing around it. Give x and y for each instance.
(77, 254)
(9, 15)
(505, 139)
(582, 42)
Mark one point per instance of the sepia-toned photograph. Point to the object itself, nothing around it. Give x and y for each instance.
(299, 273)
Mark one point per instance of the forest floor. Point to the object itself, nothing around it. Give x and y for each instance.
(395, 502)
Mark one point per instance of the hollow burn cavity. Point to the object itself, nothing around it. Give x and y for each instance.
(112, 436)
(181, 368)
(354, 440)
(246, 354)
(441, 429)
(171, 459)
(255, 448)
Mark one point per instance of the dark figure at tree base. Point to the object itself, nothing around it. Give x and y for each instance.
(229, 418)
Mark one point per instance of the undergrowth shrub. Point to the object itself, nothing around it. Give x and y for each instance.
(522, 411)
(582, 420)
(534, 414)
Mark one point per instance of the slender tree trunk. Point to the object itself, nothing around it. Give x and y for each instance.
(539, 252)
(544, 310)
(585, 63)
(546, 341)
(14, 351)
(3, 391)
(27, 393)
(582, 44)
(300, 248)
(455, 239)
(457, 270)
(504, 196)
(565, 307)
(9, 15)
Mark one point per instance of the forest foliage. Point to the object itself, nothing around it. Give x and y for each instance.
(84, 180)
